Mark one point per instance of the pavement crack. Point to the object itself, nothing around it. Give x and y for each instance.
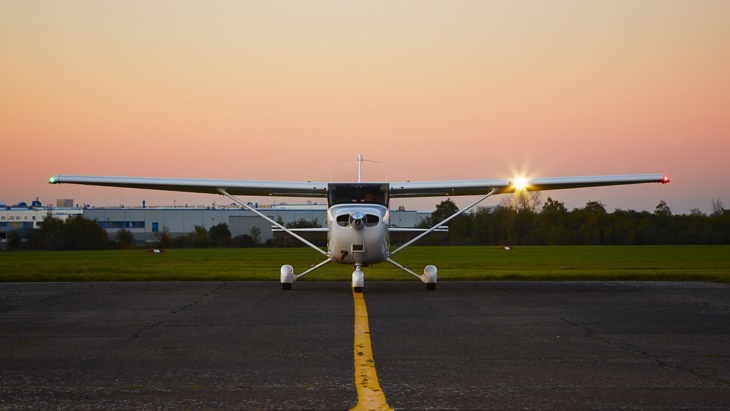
(141, 330)
(215, 290)
(502, 290)
(587, 331)
(185, 307)
(704, 303)
(665, 364)
(590, 334)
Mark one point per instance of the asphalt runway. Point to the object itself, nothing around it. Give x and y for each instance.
(467, 345)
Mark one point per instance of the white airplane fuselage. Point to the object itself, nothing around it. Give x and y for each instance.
(358, 233)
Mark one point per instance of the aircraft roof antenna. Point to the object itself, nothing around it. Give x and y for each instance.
(360, 160)
(359, 168)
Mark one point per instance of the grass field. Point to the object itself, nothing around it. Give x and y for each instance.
(675, 263)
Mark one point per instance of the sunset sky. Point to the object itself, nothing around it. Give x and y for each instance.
(290, 90)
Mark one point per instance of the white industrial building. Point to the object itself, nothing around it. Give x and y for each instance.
(145, 222)
(22, 217)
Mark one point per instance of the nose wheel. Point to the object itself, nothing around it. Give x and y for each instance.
(358, 279)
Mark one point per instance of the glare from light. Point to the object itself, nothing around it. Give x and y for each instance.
(520, 183)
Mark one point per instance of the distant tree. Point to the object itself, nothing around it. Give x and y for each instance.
(444, 210)
(553, 221)
(14, 239)
(591, 222)
(219, 234)
(502, 230)
(255, 234)
(242, 241)
(662, 209)
(482, 227)
(720, 221)
(52, 233)
(717, 207)
(624, 227)
(424, 222)
(460, 229)
(666, 232)
(200, 237)
(694, 228)
(510, 223)
(125, 239)
(84, 234)
(164, 238)
(523, 200)
(527, 228)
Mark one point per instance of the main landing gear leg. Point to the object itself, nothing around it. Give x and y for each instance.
(288, 277)
(429, 276)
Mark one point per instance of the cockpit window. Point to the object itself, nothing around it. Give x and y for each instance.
(358, 193)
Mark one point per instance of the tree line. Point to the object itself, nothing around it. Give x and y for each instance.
(79, 233)
(521, 220)
(526, 220)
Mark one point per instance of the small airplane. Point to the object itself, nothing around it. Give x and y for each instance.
(358, 214)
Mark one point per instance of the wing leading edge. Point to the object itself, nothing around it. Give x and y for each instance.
(397, 189)
(477, 187)
(234, 187)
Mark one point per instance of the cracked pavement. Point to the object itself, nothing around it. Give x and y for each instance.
(467, 345)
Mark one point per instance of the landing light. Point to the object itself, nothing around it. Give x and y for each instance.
(520, 183)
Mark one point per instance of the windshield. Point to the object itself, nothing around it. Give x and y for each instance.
(358, 193)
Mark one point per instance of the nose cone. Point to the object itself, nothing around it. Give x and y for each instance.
(357, 220)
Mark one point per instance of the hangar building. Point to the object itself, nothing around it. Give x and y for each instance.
(145, 222)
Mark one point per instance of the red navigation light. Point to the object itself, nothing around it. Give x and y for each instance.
(665, 179)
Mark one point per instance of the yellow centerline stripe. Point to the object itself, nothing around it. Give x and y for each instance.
(369, 394)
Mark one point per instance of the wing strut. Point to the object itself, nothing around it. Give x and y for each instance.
(470, 206)
(269, 219)
(404, 268)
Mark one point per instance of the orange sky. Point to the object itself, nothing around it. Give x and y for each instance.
(432, 89)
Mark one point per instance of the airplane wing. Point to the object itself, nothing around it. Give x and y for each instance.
(302, 230)
(478, 187)
(397, 189)
(234, 187)
(441, 229)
